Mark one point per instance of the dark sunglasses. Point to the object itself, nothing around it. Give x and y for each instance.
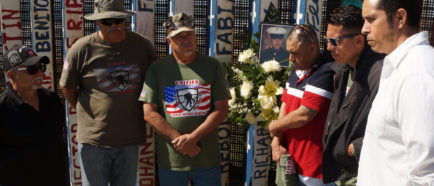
(31, 70)
(335, 41)
(110, 21)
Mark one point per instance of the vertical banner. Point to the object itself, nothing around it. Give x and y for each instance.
(257, 137)
(258, 147)
(11, 24)
(145, 19)
(221, 38)
(309, 12)
(143, 23)
(223, 26)
(185, 6)
(42, 37)
(224, 131)
(73, 30)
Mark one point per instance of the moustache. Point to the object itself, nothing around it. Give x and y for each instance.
(113, 29)
(37, 80)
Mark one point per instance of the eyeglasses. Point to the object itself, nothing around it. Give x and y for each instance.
(335, 41)
(31, 70)
(110, 21)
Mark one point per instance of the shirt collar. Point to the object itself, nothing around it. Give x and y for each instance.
(397, 55)
(302, 73)
(14, 96)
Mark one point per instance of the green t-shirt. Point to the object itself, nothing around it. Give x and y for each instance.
(185, 95)
(109, 78)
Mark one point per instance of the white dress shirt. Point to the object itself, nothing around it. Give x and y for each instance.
(398, 148)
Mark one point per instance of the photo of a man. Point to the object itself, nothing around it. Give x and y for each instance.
(273, 44)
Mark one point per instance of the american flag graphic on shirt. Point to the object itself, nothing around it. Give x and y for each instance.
(187, 100)
(119, 79)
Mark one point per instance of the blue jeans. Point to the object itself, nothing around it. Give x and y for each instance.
(200, 177)
(100, 165)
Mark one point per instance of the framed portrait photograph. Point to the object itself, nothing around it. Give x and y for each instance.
(273, 43)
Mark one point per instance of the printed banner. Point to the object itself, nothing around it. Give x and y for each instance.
(224, 141)
(224, 31)
(185, 6)
(42, 37)
(11, 24)
(146, 172)
(73, 30)
(257, 154)
(145, 19)
(143, 23)
(309, 12)
(258, 148)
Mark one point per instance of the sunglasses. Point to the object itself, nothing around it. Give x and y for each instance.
(31, 70)
(110, 21)
(335, 41)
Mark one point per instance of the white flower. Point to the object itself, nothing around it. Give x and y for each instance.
(233, 95)
(276, 109)
(237, 71)
(267, 102)
(271, 66)
(246, 89)
(251, 119)
(245, 56)
(244, 78)
(261, 90)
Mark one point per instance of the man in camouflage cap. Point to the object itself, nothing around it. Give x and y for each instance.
(185, 100)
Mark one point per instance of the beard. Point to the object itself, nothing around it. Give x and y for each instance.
(36, 83)
(189, 53)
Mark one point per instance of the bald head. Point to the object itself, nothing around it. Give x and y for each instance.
(304, 34)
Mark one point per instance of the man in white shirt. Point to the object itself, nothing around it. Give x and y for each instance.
(398, 148)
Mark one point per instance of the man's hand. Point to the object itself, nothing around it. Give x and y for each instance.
(186, 145)
(274, 128)
(70, 96)
(277, 150)
(350, 150)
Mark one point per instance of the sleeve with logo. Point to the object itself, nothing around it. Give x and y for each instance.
(150, 86)
(70, 77)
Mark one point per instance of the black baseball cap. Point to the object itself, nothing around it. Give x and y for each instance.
(22, 55)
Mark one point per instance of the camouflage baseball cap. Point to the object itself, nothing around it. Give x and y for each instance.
(178, 23)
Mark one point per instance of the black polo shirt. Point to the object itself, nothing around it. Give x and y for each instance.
(32, 150)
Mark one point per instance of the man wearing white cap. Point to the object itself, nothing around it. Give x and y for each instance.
(185, 100)
(102, 76)
(276, 51)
